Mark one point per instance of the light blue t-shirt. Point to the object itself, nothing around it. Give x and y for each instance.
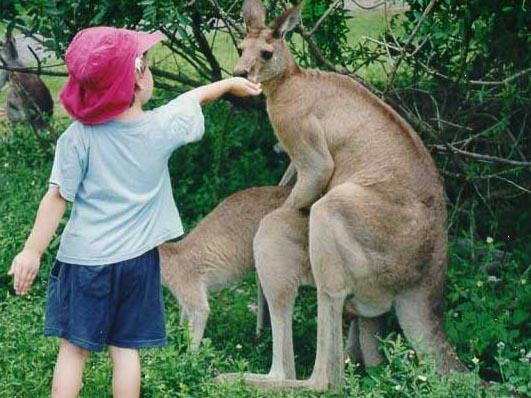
(116, 174)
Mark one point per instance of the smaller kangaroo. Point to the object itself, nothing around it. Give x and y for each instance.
(219, 251)
(216, 253)
(28, 98)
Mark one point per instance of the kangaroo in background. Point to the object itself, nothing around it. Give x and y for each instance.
(28, 98)
(218, 252)
(377, 214)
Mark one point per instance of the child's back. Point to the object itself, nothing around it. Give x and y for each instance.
(117, 172)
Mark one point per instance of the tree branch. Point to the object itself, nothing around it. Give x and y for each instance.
(406, 45)
(32, 70)
(175, 77)
(321, 19)
(203, 45)
(450, 148)
(227, 19)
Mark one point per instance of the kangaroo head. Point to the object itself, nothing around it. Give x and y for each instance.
(8, 50)
(264, 53)
(8, 56)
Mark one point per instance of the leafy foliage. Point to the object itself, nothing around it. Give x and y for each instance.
(469, 82)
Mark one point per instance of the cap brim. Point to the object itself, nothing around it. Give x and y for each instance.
(147, 40)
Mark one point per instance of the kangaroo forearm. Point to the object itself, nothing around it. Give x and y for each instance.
(308, 189)
(51, 211)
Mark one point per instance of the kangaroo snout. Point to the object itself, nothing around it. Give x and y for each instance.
(240, 73)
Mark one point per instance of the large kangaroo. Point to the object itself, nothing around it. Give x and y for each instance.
(219, 251)
(28, 98)
(377, 214)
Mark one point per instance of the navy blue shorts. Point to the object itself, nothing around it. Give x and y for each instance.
(119, 304)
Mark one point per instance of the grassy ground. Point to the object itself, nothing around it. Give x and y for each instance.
(487, 317)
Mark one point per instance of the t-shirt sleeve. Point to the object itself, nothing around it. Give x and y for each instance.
(70, 161)
(181, 120)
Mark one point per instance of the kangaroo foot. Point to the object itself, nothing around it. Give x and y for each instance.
(256, 379)
(267, 381)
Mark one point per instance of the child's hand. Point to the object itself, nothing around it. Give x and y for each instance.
(24, 268)
(242, 87)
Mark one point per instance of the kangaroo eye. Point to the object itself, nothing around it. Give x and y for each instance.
(266, 54)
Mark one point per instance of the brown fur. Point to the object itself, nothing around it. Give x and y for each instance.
(216, 253)
(28, 98)
(219, 252)
(377, 225)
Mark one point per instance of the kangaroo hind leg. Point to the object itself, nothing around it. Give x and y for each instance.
(420, 317)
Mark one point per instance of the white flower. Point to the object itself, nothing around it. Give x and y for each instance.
(523, 281)
(528, 355)
(490, 240)
(492, 278)
(456, 314)
(411, 353)
(422, 378)
(398, 387)
(238, 346)
(501, 345)
(479, 283)
(475, 360)
(347, 361)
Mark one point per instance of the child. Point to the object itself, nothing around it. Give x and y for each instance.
(104, 287)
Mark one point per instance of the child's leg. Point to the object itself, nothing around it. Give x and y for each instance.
(68, 371)
(126, 372)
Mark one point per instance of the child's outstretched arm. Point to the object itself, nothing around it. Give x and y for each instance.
(25, 265)
(237, 86)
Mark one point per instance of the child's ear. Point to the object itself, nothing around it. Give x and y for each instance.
(138, 81)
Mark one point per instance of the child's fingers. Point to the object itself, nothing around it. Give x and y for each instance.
(253, 91)
(253, 85)
(16, 281)
(25, 281)
(254, 88)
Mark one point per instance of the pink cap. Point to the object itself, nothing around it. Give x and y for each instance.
(101, 67)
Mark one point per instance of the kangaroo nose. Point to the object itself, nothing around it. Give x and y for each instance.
(241, 73)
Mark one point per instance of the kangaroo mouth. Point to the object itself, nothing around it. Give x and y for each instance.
(254, 79)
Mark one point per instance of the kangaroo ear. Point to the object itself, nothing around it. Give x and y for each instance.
(254, 13)
(287, 21)
(10, 45)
